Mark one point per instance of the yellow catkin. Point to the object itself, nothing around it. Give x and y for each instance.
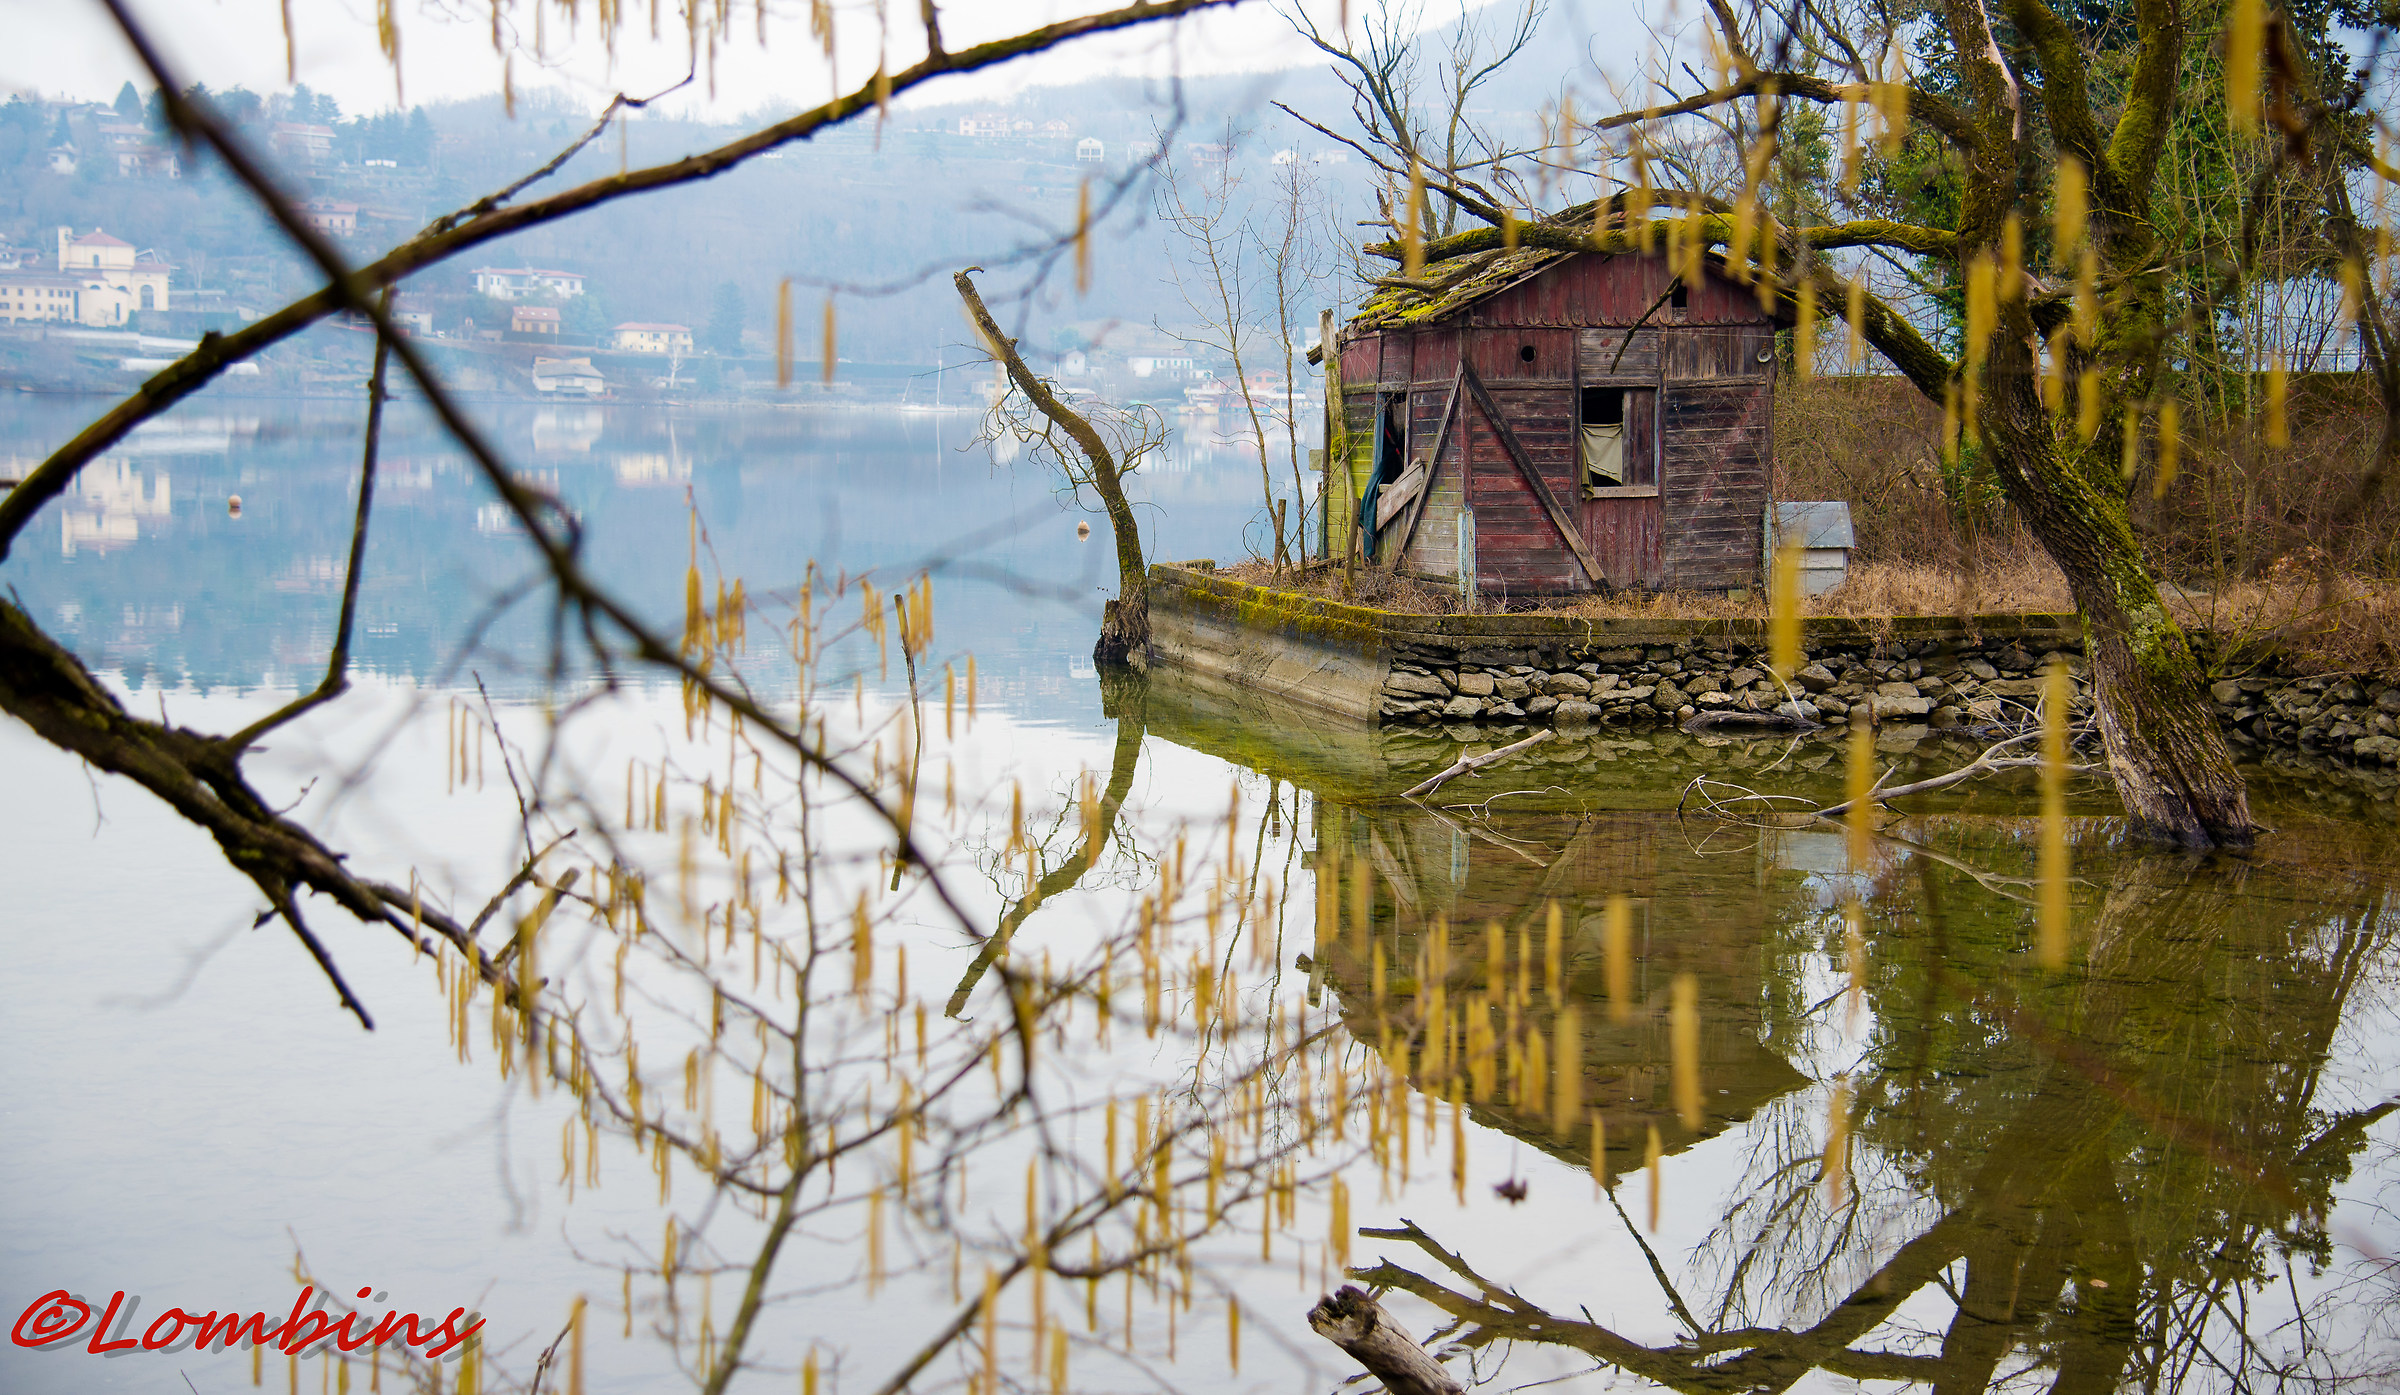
(783, 333)
(2070, 208)
(1233, 1333)
(2087, 405)
(2169, 450)
(1850, 162)
(1412, 227)
(1617, 950)
(1599, 1152)
(862, 948)
(2279, 431)
(2012, 258)
(1837, 1144)
(1859, 782)
(1083, 238)
(808, 1373)
(1553, 946)
(1495, 962)
(1891, 97)
(1783, 604)
(828, 355)
(1804, 332)
(2245, 38)
(1338, 1236)
(2087, 295)
(1683, 1023)
(991, 1332)
(1983, 315)
(2054, 373)
(2051, 875)
(1652, 1152)
(1566, 1098)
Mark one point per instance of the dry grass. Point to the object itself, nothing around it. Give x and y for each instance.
(2024, 583)
(2314, 621)
(2311, 621)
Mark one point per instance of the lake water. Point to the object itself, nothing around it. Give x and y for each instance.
(2167, 1167)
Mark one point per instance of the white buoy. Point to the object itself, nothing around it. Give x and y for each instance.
(233, 506)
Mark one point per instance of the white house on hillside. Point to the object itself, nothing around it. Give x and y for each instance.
(636, 337)
(514, 282)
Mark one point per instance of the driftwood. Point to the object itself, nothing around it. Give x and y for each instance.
(1725, 719)
(1984, 764)
(1352, 1320)
(1470, 764)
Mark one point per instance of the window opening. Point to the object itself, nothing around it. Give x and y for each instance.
(1603, 438)
(1679, 296)
(1525, 352)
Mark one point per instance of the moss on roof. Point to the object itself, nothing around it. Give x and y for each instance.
(1453, 285)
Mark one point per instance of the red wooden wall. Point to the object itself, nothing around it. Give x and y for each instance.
(1711, 365)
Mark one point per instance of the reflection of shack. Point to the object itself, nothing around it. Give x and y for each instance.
(1432, 890)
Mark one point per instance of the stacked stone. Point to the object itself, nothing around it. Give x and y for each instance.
(2348, 715)
(1934, 683)
(1931, 682)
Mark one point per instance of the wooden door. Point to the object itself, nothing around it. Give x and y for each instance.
(1621, 523)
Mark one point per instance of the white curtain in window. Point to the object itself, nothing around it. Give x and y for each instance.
(1603, 456)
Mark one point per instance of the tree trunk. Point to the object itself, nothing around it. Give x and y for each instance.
(2168, 756)
(1125, 621)
(1356, 1323)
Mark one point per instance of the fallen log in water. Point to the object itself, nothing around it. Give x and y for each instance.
(1469, 764)
(1725, 719)
(1355, 1322)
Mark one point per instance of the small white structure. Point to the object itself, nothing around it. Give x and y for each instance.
(1824, 536)
(1090, 151)
(638, 337)
(513, 282)
(984, 125)
(567, 377)
(331, 215)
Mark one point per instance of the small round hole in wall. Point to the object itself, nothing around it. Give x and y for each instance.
(1525, 352)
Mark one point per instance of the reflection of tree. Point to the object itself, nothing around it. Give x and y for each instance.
(2091, 1169)
(1124, 690)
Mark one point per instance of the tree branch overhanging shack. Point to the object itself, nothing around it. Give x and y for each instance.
(1558, 421)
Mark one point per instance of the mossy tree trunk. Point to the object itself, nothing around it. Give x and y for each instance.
(2168, 756)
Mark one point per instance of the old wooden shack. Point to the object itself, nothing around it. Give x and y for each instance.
(1555, 422)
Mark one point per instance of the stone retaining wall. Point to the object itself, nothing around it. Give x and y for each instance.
(1489, 671)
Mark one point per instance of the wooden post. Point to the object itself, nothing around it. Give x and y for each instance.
(1337, 433)
(1356, 1323)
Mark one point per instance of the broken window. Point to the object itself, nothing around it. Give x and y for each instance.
(1603, 438)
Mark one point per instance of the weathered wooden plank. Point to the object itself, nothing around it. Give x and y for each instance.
(1433, 464)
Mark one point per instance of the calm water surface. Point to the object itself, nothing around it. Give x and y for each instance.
(2166, 1168)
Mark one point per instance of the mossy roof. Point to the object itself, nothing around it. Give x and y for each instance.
(1457, 282)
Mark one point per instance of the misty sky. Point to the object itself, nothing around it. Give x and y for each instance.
(71, 48)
